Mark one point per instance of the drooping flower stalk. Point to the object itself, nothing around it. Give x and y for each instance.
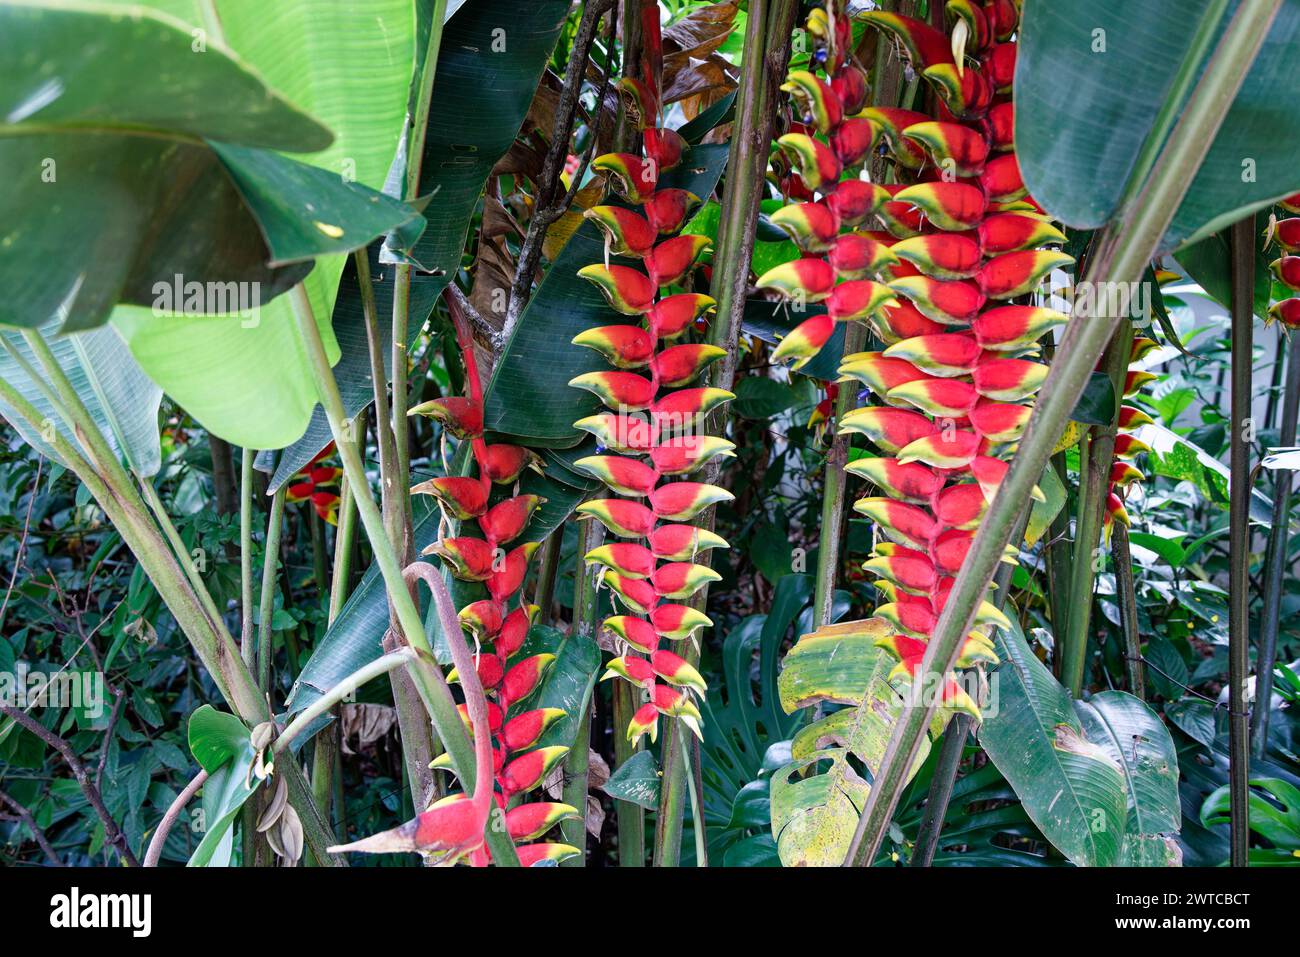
(939, 285)
(506, 725)
(654, 418)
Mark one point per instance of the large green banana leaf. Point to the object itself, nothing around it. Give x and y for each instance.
(1090, 79)
(478, 105)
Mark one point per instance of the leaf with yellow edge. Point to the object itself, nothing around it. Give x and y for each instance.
(1042, 513)
(562, 229)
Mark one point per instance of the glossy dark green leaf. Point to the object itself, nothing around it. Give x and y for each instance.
(771, 321)
(636, 781)
(1090, 78)
(1096, 406)
(220, 743)
(568, 682)
(1209, 263)
(531, 399)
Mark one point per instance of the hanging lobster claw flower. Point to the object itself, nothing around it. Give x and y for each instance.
(676, 622)
(681, 580)
(625, 519)
(1115, 511)
(671, 316)
(950, 549)
(1000, 421)
(1142, 347)
(664, 147)
(461, 417)
(977, 34)
(948, 449)
(809, 279)
(890, 429)
(622, 433)
(1123, 475)
(955, 207)
(1009, 380)
(527, 822)
(1131, 417)
(514, 630)
(813, 227)
(853, 139)
(626, 347)
(1287, 271)
(850, 87)
(627, 290)
(632, 177)
(966, 93)
(890, 122)
(913, 572)
(646, 720)
(1287, 234)
(946, 398)
(506, 521)
(855, 300)
(522, 679)
(463, 498)
(910, 483)
(854, 256)
(530, 855)
(905, 321)
(681, 365)
(1018, 274)
(677, 543)
(1012, 328)
(489, 667)
(1001, 64)
(684, 454)
(494, 717)
(623, 475)
(853, 201)
(682, 501)
(640, 103)
(509, 577)
(638, 594)
(505, 463)
(952, 303)
(451, 829)
(912, 524)
(914, 618)
(1001, 179)
(943, 256)
(878, 372)
(671, 261)
(637, 632)
(805, 340)
(481, 618)
(676, 670)
(1135, 380)
(524, 730)
(628, 559)
(946, 354)
(1127, 447)
(1000, 126)
(1016, 232)
(960, 506)
(952, 146)
(628, 233)
(668, 209)
(470, 558)
(815, 162)
(680, 409)
(1286, 312)
(529, 770)
(635, 670)
(618, 390)
(675, 703)
(814, 100)
(925, 45)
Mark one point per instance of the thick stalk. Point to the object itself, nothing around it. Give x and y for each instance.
(766, 54)
(1137, 234)
(1243, 323)
(425, 673)
(1096, 453)
(697, 812)
(266, 598)
(548, 566)
(1126, 595)
(246, 558)
(1275, 562)
(586, 604)
(631, 817)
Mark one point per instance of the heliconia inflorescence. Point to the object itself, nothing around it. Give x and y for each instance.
(937, 262)
(649, 442)
(497, 558)
(1286, 268)
(311, 484)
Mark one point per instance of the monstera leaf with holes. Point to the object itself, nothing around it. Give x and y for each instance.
(1087, 75)
(1099, 778)
(818, 797)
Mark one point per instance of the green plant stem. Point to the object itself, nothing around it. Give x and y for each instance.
(266, 597)
(1058, 557)
(246, 558)
(1126, 596)
(345, 537)
(424, 671)
(577, 762)
(304, 718)
(697, 813)
(1275, 562)
(767, 42)
(548, 566)
(631, 817)
(1096, 453)
(1239, 490)
(1136, 238)
(183, 555)
(211, 641)
(834, 492)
